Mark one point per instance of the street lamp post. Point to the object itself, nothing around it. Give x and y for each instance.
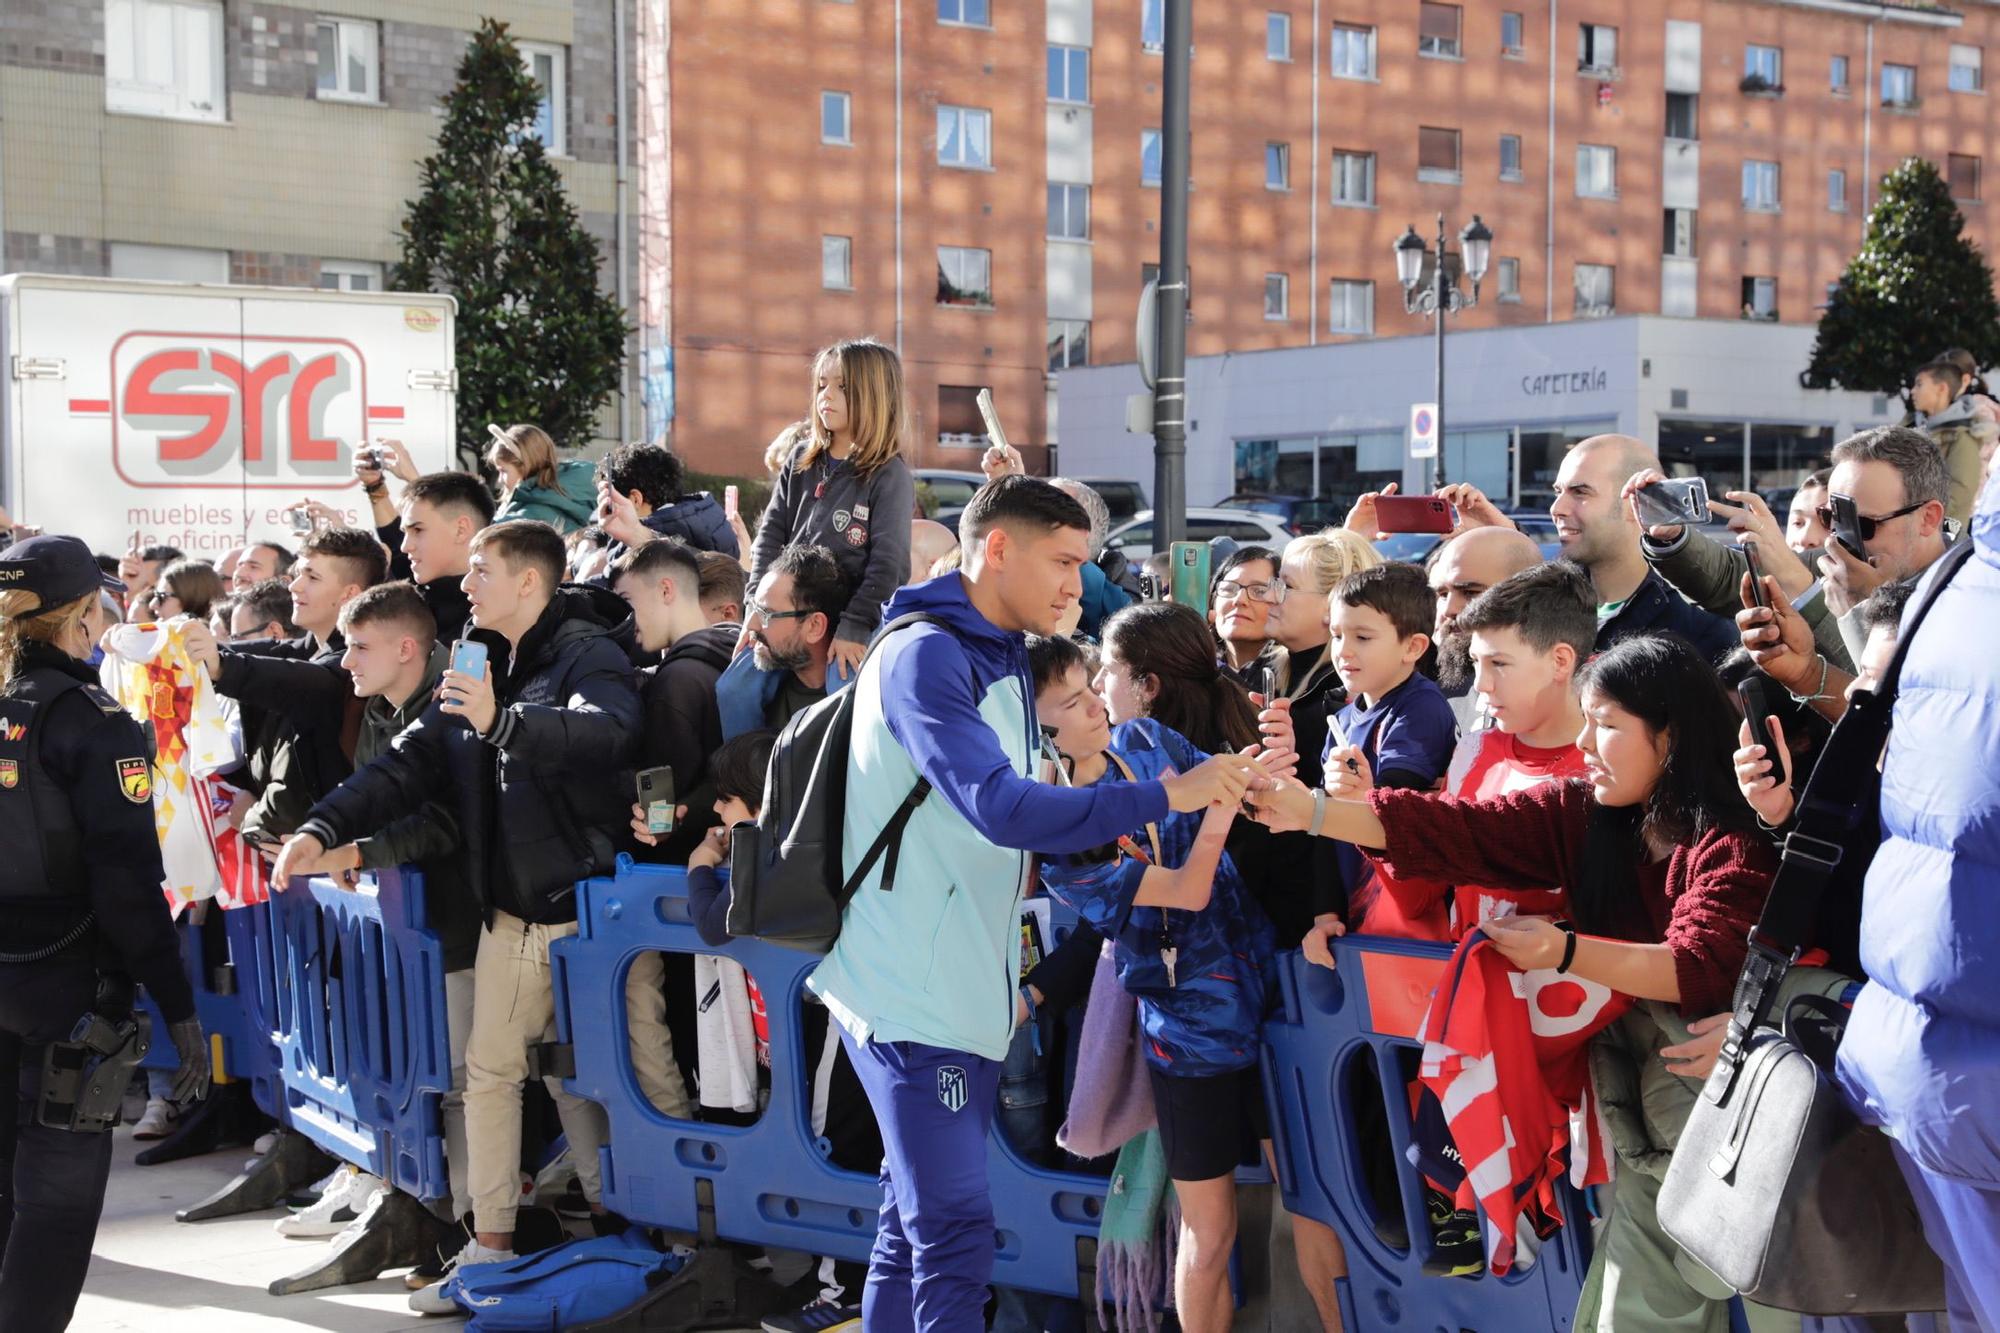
(1430, 287)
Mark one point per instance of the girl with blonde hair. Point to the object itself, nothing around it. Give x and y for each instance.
(534, 483)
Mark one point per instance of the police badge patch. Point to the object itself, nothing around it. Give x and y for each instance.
(10, 772)
(135, 779)
(951, 1088)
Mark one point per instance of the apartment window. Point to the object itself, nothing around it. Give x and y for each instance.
(168, 263)
(1069, 74)
(972, 13)
(1510, 157)
(1962, 172)
(965, 137)
(1277, 166)
(1763, 68)
(349, 59)
(1899, 85)
(1595, 294)
(1353, 52)
(1682, 118)
(836, 263)
(1149, 157)
(164, 58)
(1069, 212)
(1352, 307)
(1438, 29)
(1437, 155)
(1677, 240)
(1967, 74)
(1277, 36)
(1153, 25)
(1836, 75)
(548, 66)
(1760, 299)
(965, 277)
(1354, 179)
(1597, 48)
(1507, 278)
(1836, 191)
(1277, 296)
(349, 275)
(1760, 186)
(1069, 343)
(1511, 30)
(1596, 171)
(836, 123)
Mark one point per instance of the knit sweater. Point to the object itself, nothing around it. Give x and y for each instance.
(1701, 901)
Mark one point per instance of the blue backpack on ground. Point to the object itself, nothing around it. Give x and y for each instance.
(562, 1287)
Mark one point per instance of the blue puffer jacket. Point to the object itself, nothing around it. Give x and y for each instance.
(1922, 1052)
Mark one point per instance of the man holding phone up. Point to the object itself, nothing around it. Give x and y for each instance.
(530, 751)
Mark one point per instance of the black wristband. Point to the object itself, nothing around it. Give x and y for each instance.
(1569, 946)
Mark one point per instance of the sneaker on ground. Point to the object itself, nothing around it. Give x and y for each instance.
(819, 1317)
(158, 1122)
(337, 1207)
(434, 1299)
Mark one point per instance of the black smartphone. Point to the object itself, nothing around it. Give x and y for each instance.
(656, 793)
(1676, 503)
(1756, 560)
(1756, 703)
(1847, 525)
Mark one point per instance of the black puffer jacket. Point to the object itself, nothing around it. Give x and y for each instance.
(544, 798)
(684, 729)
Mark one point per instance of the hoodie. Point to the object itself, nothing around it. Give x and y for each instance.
(566, 508)
(697, 520)
(684, 728)
(937, 959)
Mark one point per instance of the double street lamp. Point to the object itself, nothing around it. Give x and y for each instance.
(1430, 287)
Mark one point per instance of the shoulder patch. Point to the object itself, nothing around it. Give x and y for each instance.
(135, 780)
(98, 695)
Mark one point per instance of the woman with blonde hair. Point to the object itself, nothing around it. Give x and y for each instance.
(534, 483)
(846, 488)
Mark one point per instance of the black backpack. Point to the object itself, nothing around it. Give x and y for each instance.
(785, 885)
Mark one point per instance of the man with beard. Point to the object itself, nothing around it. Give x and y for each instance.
(1469, 564)
(791, 617)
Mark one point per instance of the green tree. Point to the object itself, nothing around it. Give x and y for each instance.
(538, 340)
(1916, 288)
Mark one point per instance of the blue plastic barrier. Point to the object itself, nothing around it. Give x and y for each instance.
(1368, 1011)
(768, 1183)
(239, 1045)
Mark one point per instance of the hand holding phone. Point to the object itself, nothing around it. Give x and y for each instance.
(468, 658)
(1756, 703)
(1676, 502)
(1414, 513)
(1846, 525)
(1756, 559)
(656, 794)
(731, 496)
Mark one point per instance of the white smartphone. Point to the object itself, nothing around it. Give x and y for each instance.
(730, 497)
(992, 419)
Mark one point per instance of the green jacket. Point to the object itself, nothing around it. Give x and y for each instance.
(1710, 575)
(566, 508)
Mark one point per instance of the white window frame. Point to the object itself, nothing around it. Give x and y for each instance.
(845, 101)
(168, 263)
(1965, 57)
(1153, 26)
(1342, 160)
(1282, 159)
(1513, 140)
(1281, 284)
(1066, 55)
(1068, 328)
(1594, 41)
(1456, 51)
(1836, 190)
(144, 81)
(836, 250)
(1757, 176)
(1278, 36)
(961, 21)
(1516, 49)
(1910, 98)
(1064, 205)
(1757, 56)
(967, 117)
(1507, 280)
(345, 271)
(1452, 175)
(1159, 155)
(557, 94)
(1762, 288)
(1839, 75)
(952, 261)
(1588, 157)
(367, 34)
(1341, 292)
(1358, 35)
(1595, 310)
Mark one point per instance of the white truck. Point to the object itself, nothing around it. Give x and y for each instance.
(195, 415)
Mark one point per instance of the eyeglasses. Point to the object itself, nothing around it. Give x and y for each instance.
(1266, 594)
(1864, 522)
(765, 613)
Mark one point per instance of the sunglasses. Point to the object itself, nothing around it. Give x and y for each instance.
(1865, 524)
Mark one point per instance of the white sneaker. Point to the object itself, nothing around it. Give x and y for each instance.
(265, 1142)
(158, 1122)
(341, 1204)
(433, 1300)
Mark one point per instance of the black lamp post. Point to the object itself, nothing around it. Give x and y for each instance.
(1430, 287)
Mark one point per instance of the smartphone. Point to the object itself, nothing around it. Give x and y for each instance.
(730, 498)
(369, 456)
(656, 793)
(1267, 683)
(1190, 565)
(1757, 712)
(1756, 560)
(1414, 513)
(992, 419)
(299, 519)
(468, 657)
(1676, 503)
(1847, 525)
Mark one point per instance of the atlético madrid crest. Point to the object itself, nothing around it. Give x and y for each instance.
(951, 1088)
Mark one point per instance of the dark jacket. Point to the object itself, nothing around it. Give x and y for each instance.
(1295, 870)
(444, 596)
(684, 728)
(297, 739)
(545, 797)
(697, 520)
(864, 521)
(1710, 575)
(1657, 609)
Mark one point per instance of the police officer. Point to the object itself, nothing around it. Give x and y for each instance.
(81, 918)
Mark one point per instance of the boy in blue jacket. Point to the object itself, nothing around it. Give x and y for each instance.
(922, 979)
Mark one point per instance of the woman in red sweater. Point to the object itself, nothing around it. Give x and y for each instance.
(1666, 872)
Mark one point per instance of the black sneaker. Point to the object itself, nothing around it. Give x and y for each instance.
(819, 1317)
(1457, 1249)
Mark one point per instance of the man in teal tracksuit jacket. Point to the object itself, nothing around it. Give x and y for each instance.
(923, 978)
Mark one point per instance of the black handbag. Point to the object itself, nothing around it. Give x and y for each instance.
(1776, 1186)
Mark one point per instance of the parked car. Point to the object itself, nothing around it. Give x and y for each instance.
(954, 490)
(1123, 497)
(1245, 526)
(1416, 547)
(1296, 512)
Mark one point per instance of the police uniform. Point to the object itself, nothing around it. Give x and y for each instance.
(82, 917)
